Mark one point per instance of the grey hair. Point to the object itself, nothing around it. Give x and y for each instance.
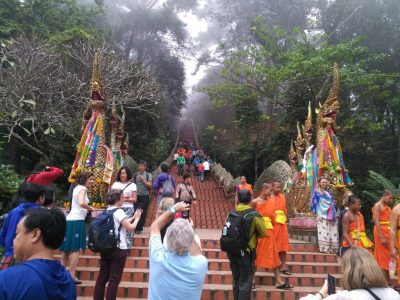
(179, 237)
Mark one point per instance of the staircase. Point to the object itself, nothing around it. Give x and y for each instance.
(309, 267)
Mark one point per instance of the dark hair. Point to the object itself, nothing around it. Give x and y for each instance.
(186, 175)
(142, 162)
(244, 196)
(50, 221)
(164, 167)
(128, 174)
(387, 192)
(33, 192)
(113, 196)
(353, 199)
(39, 167)
(48, 196)
(19, 196)
(83, 177)
(321, 178)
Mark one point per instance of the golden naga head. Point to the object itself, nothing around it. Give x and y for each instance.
(293, 157)
(96, 84)
(308, 128)
(300, 141)
(328, 110)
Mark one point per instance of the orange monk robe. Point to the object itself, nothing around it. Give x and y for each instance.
(280, 230)
(398, 247)
(267, 254)
(382, 252)
(363, 241)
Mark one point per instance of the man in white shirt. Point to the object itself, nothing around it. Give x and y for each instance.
(177, 270)
(206, 165)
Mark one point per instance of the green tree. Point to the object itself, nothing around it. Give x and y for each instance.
(286, 70)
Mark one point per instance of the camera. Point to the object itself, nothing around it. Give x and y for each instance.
(186, 213)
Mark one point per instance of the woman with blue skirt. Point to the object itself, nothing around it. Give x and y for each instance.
(75, 235)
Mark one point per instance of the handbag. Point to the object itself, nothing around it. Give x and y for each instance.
(88, 218)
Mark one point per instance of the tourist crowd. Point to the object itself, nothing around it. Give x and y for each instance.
(34, 230)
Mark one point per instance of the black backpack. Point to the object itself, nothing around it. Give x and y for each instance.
(236, 232)
(102, 236)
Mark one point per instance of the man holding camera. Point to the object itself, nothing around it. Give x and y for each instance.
(185, 193)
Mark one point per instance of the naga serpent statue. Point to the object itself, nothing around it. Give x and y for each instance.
(325, 159)
(93, 154)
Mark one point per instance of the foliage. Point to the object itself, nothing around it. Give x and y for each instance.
(376, 183)
(270, 83)
(43, 113)
(44, 18)
(9, 183)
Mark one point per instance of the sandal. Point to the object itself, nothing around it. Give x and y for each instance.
(285, 286)
(77, 281)
(286, 272)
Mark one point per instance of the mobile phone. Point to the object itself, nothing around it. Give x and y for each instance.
(331, 285)
(186, 213)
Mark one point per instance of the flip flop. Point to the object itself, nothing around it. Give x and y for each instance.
(285, 286)
(286, 272)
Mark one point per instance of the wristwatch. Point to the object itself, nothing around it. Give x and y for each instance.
(172, 210)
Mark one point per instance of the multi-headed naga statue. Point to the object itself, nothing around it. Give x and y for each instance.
(93, 153)
(325, 159)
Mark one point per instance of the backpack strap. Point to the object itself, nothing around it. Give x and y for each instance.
(245, 213)
(372, 294)
(112, 211)
(126, 186)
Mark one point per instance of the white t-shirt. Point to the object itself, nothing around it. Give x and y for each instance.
(206, 166)
(127, 191)
(119, 215)
(176, 156)
(383, 293)
(77, 212)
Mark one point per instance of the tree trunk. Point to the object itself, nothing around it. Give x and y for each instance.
(255, 162)
(14, 155)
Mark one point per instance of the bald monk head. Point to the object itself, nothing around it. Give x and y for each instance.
(276, 188)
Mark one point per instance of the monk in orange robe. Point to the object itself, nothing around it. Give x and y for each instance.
(354, 227)
(280, 227)
(242, 186)
(395, 238)
(381, 215)
(267, 254)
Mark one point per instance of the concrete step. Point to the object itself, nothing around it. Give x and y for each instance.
(262, 277)
(306, 257)
(139, 290)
